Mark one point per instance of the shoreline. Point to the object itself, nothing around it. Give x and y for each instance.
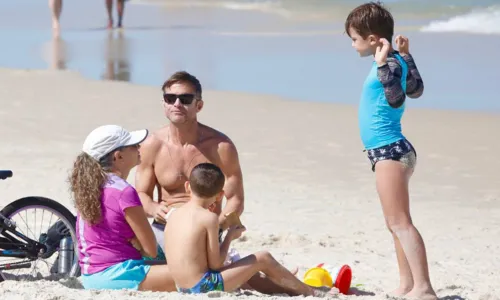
(238, 50)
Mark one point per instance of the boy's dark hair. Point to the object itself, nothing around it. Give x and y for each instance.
(206, 180)
(183, 77)
(371, 18)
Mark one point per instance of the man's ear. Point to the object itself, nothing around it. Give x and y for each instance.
(199, 105)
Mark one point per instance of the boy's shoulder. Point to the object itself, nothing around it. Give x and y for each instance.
(201, 214)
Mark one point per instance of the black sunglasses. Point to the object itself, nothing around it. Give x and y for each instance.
(185, 99)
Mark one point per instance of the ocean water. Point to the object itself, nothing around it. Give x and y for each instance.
(290, 48)
(474, 16)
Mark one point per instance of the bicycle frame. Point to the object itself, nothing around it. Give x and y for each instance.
(17, 245)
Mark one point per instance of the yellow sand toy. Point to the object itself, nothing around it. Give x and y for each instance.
(331, 277)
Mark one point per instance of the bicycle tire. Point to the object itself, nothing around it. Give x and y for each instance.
(39, 201)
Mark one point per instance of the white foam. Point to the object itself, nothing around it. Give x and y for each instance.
(266, 6)
(485, 21)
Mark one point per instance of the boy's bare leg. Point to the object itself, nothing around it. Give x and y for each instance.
(392, 179)
(56, 8)
(109, 8)
(262, 284)
(120, 7)
(405, 277)
(236, 274)
(158, 279)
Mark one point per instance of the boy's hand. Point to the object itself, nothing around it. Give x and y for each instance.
(382, 52)
(403, 45)
(235, 231)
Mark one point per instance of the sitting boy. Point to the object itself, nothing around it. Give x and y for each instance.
(195, 257)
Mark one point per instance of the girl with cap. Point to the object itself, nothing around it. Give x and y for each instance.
(111, 222)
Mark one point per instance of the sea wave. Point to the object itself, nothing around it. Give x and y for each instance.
(483, 21)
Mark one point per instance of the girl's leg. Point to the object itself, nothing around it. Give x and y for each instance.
(392, 179)
(158, 279)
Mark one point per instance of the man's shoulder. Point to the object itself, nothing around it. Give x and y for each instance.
(218, 138)
(155, 139)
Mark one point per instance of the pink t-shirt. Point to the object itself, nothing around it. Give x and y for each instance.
(107, 243)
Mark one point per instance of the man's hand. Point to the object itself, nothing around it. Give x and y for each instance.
(403, 44)
(382, 52)
(235, 232)
(160, 211)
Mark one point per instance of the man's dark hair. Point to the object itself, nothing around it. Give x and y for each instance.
(206, 180)
(371, 18)
(183, 77)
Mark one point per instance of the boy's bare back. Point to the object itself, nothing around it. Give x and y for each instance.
(186, 235)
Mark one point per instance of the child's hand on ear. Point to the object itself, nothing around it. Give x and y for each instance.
(382, 52)
(403, 45)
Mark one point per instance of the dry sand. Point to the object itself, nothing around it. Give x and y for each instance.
(310, 194)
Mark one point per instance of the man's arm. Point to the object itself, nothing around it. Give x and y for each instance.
(216, 253)
(233, 188)
(145, 179)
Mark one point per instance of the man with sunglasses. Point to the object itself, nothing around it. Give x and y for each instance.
(170, 153)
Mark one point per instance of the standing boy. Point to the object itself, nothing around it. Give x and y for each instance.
(192, 248)
(392, 77)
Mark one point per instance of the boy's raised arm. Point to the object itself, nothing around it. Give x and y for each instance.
(414, 82)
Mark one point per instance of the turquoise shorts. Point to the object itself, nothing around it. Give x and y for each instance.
(126, 275)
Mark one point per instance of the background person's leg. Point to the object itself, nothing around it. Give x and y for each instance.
(120, 9)
(109, 9)
(56, 9)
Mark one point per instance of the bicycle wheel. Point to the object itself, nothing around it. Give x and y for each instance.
(25, 212)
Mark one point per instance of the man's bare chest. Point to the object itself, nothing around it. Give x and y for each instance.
(174, 164)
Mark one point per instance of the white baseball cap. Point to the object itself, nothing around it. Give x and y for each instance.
(105, 139)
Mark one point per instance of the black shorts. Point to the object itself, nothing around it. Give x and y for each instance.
(401, 150)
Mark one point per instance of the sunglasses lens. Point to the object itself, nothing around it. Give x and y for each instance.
(169, 98)
(185, 99)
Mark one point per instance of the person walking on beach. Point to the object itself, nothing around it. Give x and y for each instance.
(392, 77)
(112, 229)
(120, 9)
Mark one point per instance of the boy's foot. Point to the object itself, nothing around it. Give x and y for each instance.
(110, 24)
(401, 291)
(422, 294)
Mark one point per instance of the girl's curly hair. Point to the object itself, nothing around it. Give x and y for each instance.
(86, 181)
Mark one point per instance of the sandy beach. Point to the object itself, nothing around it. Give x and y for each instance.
(310, 194)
